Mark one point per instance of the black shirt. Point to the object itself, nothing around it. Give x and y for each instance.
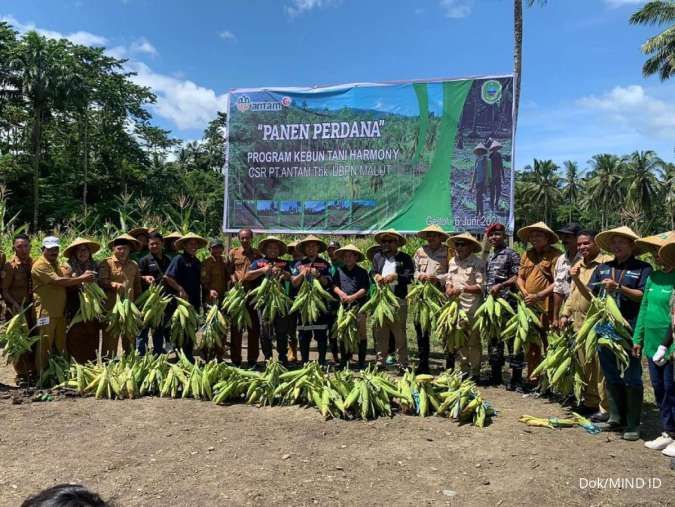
(187, 271)
(154, 267)
(632, 274)
(351, 281)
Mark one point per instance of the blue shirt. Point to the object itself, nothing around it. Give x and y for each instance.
(187, 271)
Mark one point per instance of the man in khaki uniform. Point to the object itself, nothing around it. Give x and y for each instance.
(215, 273)
(431, 265)
(49, 287)
(466, 281)
(240, 259)
(17, 291)
(118, 274)
(574, 312)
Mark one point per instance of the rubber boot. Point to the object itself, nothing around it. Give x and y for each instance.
(344, 357)
(334, 349)
(363, 349)
(616, 401)
(634, 396)
(516, 382)
(450, 361)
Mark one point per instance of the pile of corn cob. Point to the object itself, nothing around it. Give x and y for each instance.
(92, 300)
(451, 326)
(270, 299)
(153, 303)
(125, 320)
(346, 327)
(562, 371)
(184, 323)
(524, 327)
(491, 317)
(366, 395)
(234, 307)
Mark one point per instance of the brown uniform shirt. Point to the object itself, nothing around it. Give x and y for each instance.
(431, 262)
(215, 274)
(576, 305)
(461, 273)
(537, 271)
(240, 261)
(16, 279)
(112, 270)
(49, 297)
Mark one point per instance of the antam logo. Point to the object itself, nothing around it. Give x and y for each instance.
(286, 101)
(243, 103)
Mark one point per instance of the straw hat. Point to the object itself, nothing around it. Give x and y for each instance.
(380, 236)
(201, 242)
(172, 236)
(465, 236)
(494, 145)
(138, 231)
(372, 250)
(480, 147)
(654, 243)
(524, 233)
(667, 253)
(133, 242)
(300, 245)
(349, 248)
(433, 228)
(291, 246)
(604, 239)
(72, 248)
(262, 246)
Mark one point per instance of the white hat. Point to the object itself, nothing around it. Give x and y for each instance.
(50, 242)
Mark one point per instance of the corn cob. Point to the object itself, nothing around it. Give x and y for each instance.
(153, 303)
(311, 301)
(382, 305)
(425, 301)
(523, 327)
(92, 299)
(125, 320)
(563, 372)
(234, 307)
(15, 339)
(451, 326)
(346, 327)
(491, 317)
(270, 300)
(184, 323)
(214, 330)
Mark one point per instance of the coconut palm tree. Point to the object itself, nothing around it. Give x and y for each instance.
(640, 180)
(603, 188)
(661, 47)
(543, 186)
(518, 49)
(570, 190)
(667, 189)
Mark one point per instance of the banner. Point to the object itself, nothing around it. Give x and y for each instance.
(356, 158)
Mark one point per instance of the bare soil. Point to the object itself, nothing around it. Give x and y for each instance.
(155, 451)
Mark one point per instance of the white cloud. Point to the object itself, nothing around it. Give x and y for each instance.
(80, 37)
(181, 101)
(633, 107)
(298, 7)
(456, 8)
(621, 3)
(143, 45)
(227, 35)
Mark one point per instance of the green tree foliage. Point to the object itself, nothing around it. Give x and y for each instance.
(660, 48)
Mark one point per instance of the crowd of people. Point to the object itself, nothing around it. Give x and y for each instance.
(559, 284)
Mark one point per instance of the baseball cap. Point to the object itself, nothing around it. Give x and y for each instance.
(216, 242)
(50, 242)
(334, 244)
(572, 229)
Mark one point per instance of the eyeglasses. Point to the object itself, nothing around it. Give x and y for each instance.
(460, 243)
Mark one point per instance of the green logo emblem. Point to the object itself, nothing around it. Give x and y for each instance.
(491, 91)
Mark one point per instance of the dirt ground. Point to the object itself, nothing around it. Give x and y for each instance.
(162, 452)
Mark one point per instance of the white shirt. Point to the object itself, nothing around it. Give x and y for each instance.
(389, 268)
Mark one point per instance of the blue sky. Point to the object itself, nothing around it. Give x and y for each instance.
(582, 89)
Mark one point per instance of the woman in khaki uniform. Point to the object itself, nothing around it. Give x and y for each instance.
(82, 338)
(118, 274)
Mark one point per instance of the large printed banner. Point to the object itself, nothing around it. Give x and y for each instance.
(356, 158)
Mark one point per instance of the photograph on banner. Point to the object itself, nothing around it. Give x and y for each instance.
(355, 158)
